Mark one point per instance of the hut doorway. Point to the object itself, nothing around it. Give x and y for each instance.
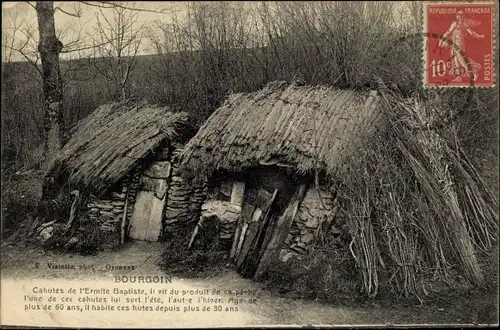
(251, 229)
(146, 220)
(270, 204)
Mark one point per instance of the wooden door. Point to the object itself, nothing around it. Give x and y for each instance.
(146, 220)
(274, 238)
(253, 219)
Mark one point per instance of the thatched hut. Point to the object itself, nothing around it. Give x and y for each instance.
(117, 175)
(268, 155)
(291, 165)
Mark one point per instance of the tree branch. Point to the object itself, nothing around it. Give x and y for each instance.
(78, 15)
(30, 61)
(107, 5)
(72, 50)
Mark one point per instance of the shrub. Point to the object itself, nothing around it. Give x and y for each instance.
(327, 273)
(84, 238)
(197, 262)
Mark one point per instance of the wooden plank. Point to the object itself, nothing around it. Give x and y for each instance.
(138, 224)
(268, 234)
(252, 260)
(247, 212)
(281, 231)
(162, 189)
(245, 216)
(263, 202)
(241, 238)
(237, 193)
(256, 214)
(123, 224)
(248, 239)
(225, 188)
(154, 222)
(159, 170)
(159, 186)
(195, 232)
(146, 220)
(236, 237)
(148, 184)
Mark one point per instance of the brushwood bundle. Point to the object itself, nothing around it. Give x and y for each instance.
(417, 208)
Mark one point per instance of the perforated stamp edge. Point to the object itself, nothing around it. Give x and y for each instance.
(426, 34)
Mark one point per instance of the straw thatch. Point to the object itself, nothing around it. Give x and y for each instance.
(110, 141)
(305, 127)
(415, 207)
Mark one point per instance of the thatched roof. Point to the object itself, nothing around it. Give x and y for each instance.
(305, 127)
(110, 141)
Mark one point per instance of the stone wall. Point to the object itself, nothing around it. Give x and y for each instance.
(225, 206)
(184, 200)
(307, 223)
(108, 210)
(183, 204)
(313, 216)
(226, 215)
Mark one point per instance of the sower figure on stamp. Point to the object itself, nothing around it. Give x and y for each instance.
(457, 31)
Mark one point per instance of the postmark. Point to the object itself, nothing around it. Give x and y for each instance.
(459, 51)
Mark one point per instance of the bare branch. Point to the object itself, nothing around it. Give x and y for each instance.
(108, 5)
(28, 59)
(73, 50)
(117, 41)
(78, 15)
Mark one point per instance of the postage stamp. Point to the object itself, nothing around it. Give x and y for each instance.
(459, 44)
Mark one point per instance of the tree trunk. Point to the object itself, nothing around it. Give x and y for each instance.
(50, 48)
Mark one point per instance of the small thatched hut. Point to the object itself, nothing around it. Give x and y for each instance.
(117, 176)
(268, 155)
(289, 166)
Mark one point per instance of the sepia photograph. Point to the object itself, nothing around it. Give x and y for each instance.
(216, 164)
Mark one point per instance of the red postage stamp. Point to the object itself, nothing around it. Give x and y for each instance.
(458, 44)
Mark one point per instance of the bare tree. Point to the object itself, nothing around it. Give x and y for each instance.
(49, 48)
(19, 41)
(42, 50)
(116, 42)
(14, 23)
(46, 49)
(204, 53)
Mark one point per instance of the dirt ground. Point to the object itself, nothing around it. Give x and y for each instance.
(19, 263)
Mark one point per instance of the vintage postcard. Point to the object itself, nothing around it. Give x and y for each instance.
(249, 164)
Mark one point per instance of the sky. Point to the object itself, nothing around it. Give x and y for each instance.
(19, 20)
(22, 15)
(8, 4)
